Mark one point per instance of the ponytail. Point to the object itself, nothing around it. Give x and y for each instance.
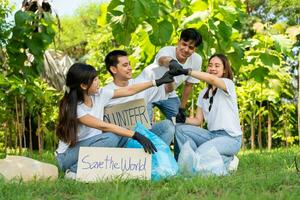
(68, 123)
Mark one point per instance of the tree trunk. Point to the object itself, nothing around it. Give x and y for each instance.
(252, 132)
(259, 137)
(285, 133)
(30, 134)
(299, 98)
(243, 134)
(269, 129)
(10, 128)
(19, 132)
(5, 137)
(40, 135)
(23, 123)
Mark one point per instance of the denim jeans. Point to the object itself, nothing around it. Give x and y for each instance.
(165, 130)
(69, 159)
(201, 139)
(168, 107)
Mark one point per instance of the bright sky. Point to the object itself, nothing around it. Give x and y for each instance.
(61, 7)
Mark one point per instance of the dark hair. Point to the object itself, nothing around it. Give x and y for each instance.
(67, 120)
(191, 34)
(227, 70)
(111, 59)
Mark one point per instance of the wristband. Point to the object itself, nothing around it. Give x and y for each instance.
(153, 83)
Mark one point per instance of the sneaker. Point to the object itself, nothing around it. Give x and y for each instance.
(70, 175)
(233, 165)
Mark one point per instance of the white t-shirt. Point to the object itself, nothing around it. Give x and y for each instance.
(155, 71)
(100, 100)
(150, 95)
(224, 114)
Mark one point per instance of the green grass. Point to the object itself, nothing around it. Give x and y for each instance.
(261, 175)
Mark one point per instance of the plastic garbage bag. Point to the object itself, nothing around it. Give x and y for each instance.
(209, 162)
(163, 162)
(203, 161)
(186, 159)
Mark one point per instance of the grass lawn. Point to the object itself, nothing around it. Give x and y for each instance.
(261, 175)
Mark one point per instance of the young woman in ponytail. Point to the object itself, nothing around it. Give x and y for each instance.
(81, 114)
(217, 105)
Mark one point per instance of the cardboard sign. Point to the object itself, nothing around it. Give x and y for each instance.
(128, 114)
(99, 163)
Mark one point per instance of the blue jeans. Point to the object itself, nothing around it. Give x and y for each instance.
(69, 159)
(168, 107)
(165, 130)
(201, 139)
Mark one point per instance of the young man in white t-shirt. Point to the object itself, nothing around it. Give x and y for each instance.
(118, 65)
(171, 58)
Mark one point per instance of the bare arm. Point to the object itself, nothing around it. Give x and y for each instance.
(210, 79)
(93, 122)
(169, 87)
(198, 120)
(164, 61)
(188, 87)
(132, 89)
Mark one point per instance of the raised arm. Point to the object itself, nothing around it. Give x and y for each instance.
(132, 89)
(204, 76)
(136, 88)
(209, 78)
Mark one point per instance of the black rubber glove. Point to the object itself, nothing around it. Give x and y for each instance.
(181, 117)
(166, 78)
(176, 69)
(145, 142)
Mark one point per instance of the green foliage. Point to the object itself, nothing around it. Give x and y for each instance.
(260, 56)
(30, 35)
(23, 93)
(277, 10)
(75, 30)
(259, 50)
(5, 9)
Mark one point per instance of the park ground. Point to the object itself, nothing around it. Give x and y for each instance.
(261, 175)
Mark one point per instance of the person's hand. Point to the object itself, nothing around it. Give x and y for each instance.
(176, 69)
(181, 117)
(166, 78)
(145, 142)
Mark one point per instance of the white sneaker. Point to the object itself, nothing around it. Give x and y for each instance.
(70, 175)
(233, 165)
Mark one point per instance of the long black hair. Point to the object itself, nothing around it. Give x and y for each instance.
(227, 71)
(67, 125)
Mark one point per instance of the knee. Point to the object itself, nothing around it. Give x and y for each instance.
(179, 129)
(169, 127)
(112, 139)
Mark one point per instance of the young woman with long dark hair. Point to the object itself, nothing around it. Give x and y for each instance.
(81, 116)
(217, 105)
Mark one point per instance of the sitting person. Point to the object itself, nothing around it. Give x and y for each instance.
(81, 116)
(118, 65)
(217, 105)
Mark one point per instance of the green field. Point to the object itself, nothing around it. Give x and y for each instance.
(261, 175)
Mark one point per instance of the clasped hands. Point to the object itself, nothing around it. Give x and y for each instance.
(175, 69)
